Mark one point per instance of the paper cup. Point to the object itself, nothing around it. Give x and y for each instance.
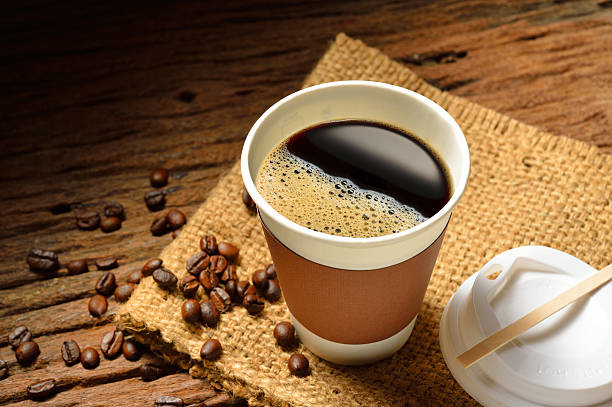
(355, 300)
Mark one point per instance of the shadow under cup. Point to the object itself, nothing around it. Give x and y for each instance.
(355, 300)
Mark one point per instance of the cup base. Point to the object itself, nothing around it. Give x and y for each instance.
(349, 354)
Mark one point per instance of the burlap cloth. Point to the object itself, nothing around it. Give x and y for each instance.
(526, 187)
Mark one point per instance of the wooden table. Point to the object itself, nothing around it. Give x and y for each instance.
(97, 95)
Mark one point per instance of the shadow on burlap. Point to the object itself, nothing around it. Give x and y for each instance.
(526, 187)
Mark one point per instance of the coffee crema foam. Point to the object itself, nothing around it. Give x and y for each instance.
(308, 196)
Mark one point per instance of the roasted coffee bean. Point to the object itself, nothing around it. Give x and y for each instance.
(159, 177)
(176, 219)
(197, 263)
(42, 389)
(41, 260)
(87, 220)
(3, 369)
(208, 244)
(248, 201)
(273, 292)
(123, 292)
(107, 263)
(106, 284)
(208, 279)
(271, 271)
(97, 305)
(211, 350)
(298, 365)
(135, 277)
(19, 335)
(228, 250)
(149, 372)
(27, 352)
(230, 287)
(114, 209)
(217, 264)
(77, 266)
(160, 226)
(111, 344)
(90, 359)
(164, 278)
(111, 224)
(253, 304)
(229, 274)
(189, 285)
(209, 314)
(260, 279)
(284, 333)
(190, 311)
(131, 350)
(241, 289)
(150, 266)
(168, 401)
(220, 299)
(71, 352)
(155, 200)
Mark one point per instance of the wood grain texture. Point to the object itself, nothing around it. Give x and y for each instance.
(96, 96)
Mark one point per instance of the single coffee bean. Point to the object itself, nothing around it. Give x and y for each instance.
(220, 299)
(106, 284)
(298, 365)
(273, 292)
(107, 263)
(271, 271)
(164, 278)
(197, 263)
(155, 200)
(135, 277)
(230, 287)
(189, 285)
(114, 209)
(229, 274)
(253, 304)
(27, 352)
(111, 344)
(241, 289)
(97, 305)
(248, 201)
(3, 369)
(217, 264)
(71, 352)
(131, 350)
(150, 266)
(211, 350)
(260, 279)
(209, 314)
(90, 359)
(176, 219)
(123, 292)
(111, 224)
(149, 372)
(87, 220)
(19, 335)
(159, 177)
(190, 311)
(284, 333)
(160, 226)
(77, 266)
(228, 250)
(208, 244)
(42, 389)
(41, 260)
(208, 279)
(168, 401)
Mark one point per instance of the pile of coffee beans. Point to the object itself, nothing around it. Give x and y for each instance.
(88, 219)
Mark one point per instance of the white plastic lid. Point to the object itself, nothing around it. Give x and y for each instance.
(565, 360)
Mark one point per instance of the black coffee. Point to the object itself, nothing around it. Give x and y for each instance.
(354, 178)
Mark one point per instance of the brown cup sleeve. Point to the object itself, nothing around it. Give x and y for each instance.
(353, 306)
